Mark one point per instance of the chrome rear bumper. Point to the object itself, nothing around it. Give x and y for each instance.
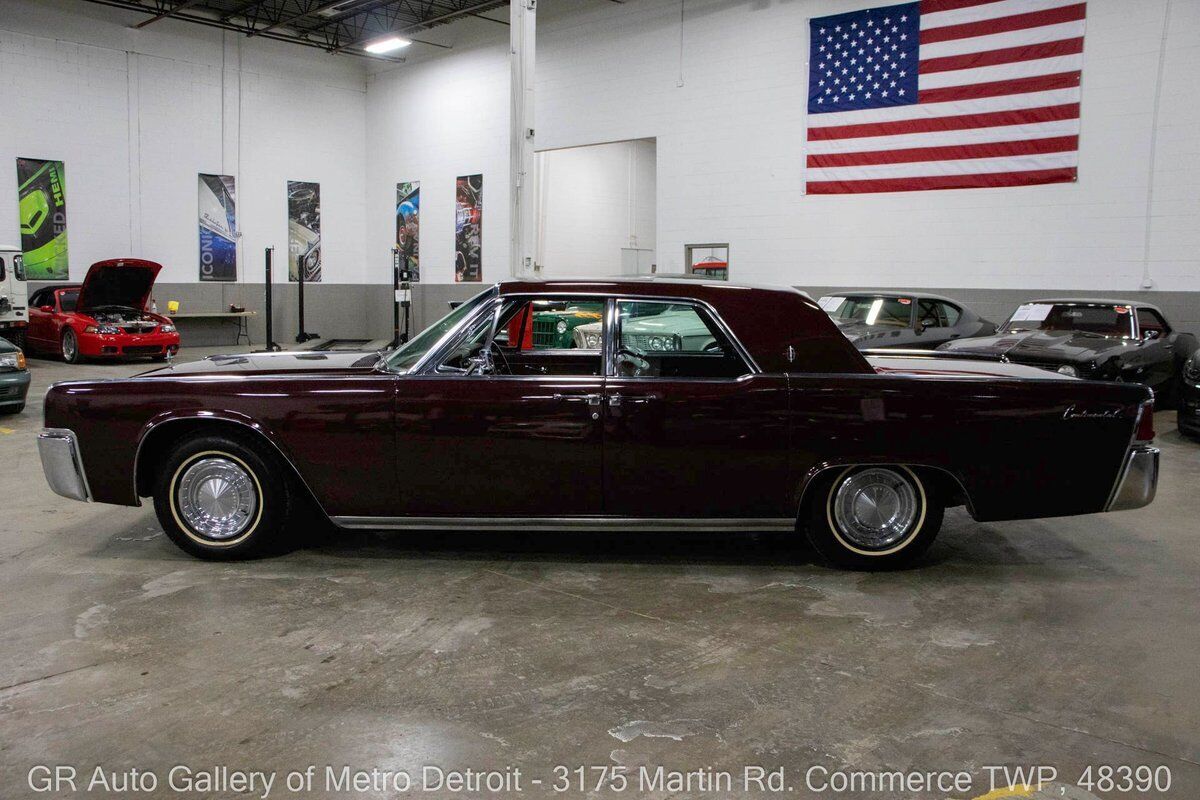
(59, 450)
(1138, 482)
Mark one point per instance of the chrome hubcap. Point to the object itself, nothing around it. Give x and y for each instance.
(216, 498)
(68, 346)
(876, 508)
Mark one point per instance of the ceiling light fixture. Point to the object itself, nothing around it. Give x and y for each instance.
(387, 45)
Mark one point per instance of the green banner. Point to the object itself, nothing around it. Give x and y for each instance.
(42, 198)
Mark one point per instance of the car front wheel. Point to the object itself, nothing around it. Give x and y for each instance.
(871, 517)
(220, 498)
(70, 347)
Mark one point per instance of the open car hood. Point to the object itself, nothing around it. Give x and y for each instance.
(118, 282)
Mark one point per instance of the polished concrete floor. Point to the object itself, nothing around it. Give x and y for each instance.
(1063, 643)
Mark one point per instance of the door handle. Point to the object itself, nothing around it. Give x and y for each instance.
(617, 401)
(590, 399)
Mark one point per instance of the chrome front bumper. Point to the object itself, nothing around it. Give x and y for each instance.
(59, 450)
(1138, 482)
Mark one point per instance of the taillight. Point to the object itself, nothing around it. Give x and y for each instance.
(1145, 423)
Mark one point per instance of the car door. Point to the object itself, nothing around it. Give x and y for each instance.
(692, 430)
(40, 322)
(483, 431)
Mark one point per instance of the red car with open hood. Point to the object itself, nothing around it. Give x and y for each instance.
(104, 317)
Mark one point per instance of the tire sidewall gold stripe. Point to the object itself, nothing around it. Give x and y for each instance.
(905, 542)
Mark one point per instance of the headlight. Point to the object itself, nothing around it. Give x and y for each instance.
(592, 340)
(1067, 369)
(1191, 370)
(561, 327)
(104, 330)
(13, 360)
(166, 329)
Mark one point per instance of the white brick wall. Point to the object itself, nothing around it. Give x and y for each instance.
(137, 114)
(730, 145)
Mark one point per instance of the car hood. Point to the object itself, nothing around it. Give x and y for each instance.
(287, 362)
(931, 364)
(1041, 346)
(118, 282)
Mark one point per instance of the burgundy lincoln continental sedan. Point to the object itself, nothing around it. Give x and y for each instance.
(770, 420)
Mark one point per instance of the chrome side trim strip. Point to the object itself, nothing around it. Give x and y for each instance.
(618, 524)
(62, 464)
(1138, 482)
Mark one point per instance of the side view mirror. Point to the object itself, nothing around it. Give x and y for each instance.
(47, 309)
(926, 324)
(1151, 334)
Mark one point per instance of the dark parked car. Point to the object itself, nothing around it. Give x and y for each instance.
(910, 320)
(773, 422)
(1110, 340)
(1189, 399)
(14, 378)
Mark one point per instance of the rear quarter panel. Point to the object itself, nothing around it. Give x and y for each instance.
(1021, 448)
(335, 429)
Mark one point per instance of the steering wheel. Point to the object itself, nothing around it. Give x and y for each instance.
(632, 359)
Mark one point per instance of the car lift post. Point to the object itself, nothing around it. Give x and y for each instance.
(271, 346)
(402, 298)
(302, 336)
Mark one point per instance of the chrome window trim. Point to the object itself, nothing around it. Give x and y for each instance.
(611, 332)
(449, 336)
(428, 366)
(589, 523)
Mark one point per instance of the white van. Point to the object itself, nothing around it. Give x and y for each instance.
(14, 296)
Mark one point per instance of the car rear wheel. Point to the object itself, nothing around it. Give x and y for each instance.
(70, 347)
(871, 517)
(218, 497)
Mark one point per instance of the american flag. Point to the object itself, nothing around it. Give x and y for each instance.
(945, 94)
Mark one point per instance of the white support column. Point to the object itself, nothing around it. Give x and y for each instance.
(522, 179)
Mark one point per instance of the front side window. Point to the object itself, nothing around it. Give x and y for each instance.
(1088, 318)
(3, 272)
(19, 267)
(543, 336)
(68, 299)
(872, 310)
(929, 314)
(673, 340)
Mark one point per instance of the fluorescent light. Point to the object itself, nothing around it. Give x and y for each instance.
(387, 45)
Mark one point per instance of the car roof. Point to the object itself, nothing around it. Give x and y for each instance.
(651, 285)
(896, 293)
(770, 322)
(1094, 301)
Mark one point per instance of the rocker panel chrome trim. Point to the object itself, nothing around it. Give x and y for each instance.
(618, 524)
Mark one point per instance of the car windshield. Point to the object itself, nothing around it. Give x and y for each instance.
(1099, 319)
(408, 355)
(69, 300)
(873, 310)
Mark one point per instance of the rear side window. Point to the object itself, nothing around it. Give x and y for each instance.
(3, 271)
(1152, 321)
(673, 340)
(950, 314)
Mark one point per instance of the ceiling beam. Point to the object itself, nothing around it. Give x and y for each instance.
(425, 23)
(293, 18)
(169, 12)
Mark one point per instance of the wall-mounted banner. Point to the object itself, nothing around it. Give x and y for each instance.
(468, 230)
(304, 231)
(408, 228)
(42, 198)
(217, 211)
